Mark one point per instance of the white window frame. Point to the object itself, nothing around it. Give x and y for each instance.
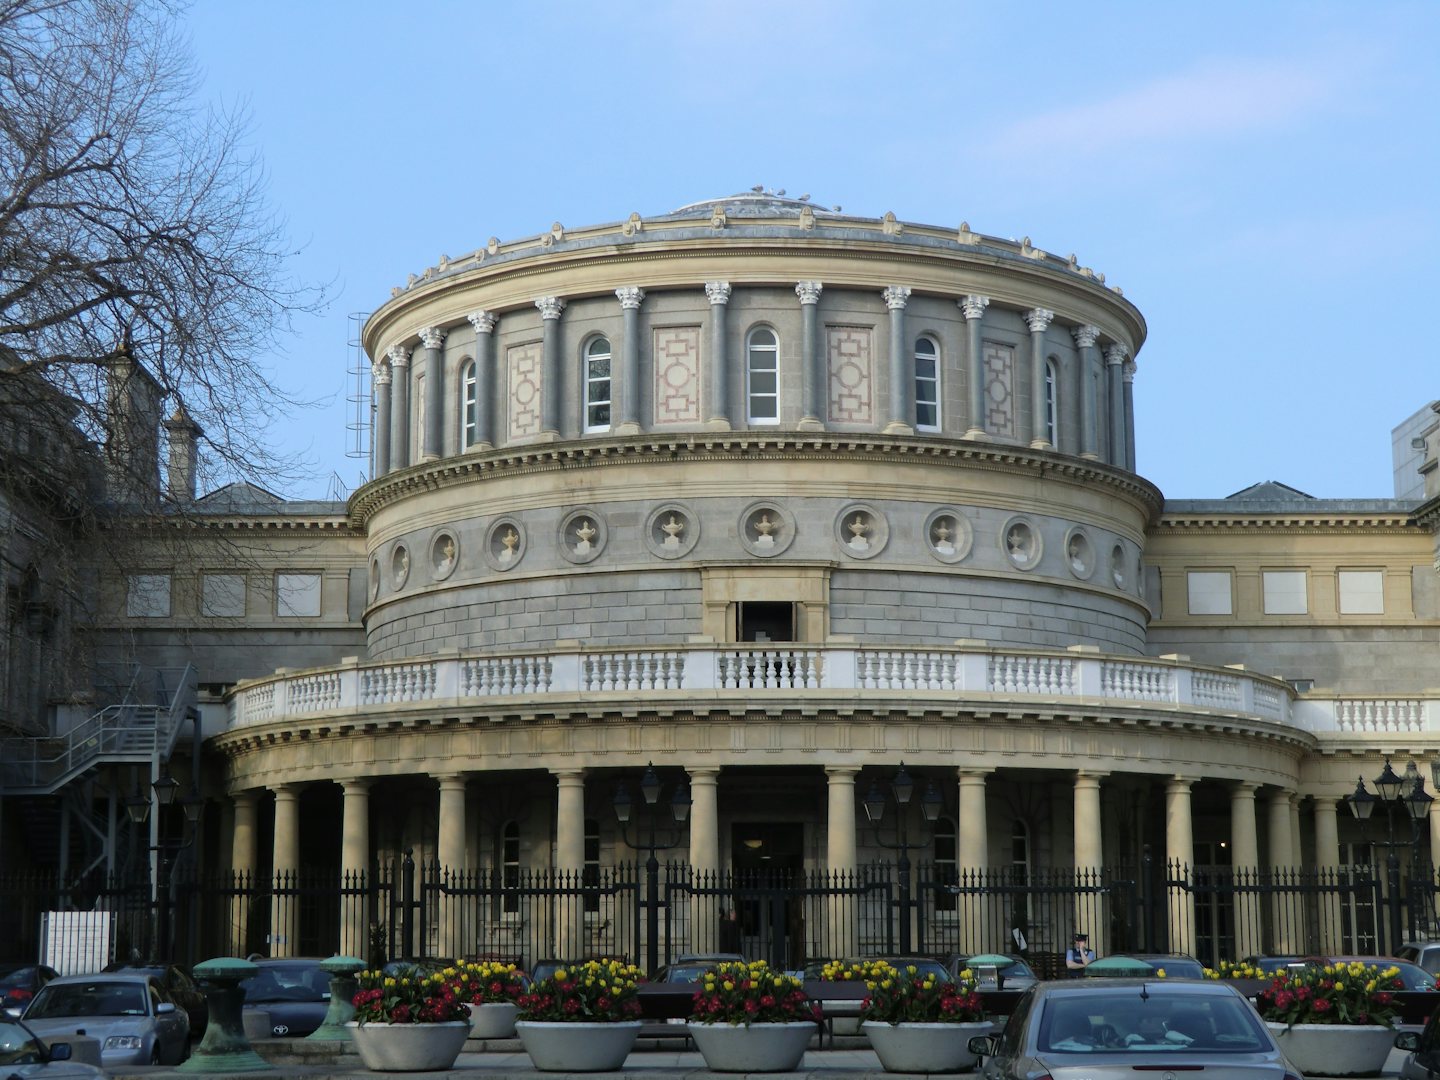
(930, 382)
(592, 400)
(1207, 607)
(510, 868)
(148, 596)
(1052, 402)
(1277, 592)
(469, 406)
(1353, 608)
(752, 353)
(947, 866)
(285, 594)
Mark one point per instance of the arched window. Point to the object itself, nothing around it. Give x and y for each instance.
(590, 873)
(510, 866)
(927, 384)
(947, 869)
(762, 376)
(597, 385)
(1052, 412)
(469, 407)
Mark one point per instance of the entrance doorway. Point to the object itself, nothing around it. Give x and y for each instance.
(768, 860)
(764, 620)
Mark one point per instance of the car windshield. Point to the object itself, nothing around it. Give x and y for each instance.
(17, 1045)
(1096, 1021)
(1177, 967)
(88, 999)
(286, 982)
(687, 973)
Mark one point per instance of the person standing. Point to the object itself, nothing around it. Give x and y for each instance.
(1079, 956)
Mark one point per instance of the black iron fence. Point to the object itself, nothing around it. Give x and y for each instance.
(404, 910)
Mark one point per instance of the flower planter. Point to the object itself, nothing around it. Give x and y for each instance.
(578, 1047)
(493, 1019)
(757, 1048)
(924, 1048)
(409, 1047)
(1334, 1049)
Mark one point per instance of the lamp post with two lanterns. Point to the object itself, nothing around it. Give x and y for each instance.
(673, 837)
(137, 808)
(902, 790)
(1403, 797)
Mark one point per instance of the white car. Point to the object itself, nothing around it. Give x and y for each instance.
(24, 1055)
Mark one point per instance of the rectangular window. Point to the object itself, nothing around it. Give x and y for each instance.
(1362, 592)
(1285, 592)
(297, 595)
(927, 385)
(470, 411)
(222, 595)
(147, 596)
(597, 386)
(762, 370)
(1210, 592)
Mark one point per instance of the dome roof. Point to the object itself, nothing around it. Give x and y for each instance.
(757, 202)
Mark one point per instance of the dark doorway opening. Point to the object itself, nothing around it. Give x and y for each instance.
(769, 879)
(764, 620)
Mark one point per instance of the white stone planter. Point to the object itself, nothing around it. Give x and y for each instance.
(578, 1047)
(409, 1047)
(757, 1048)
(1334, 1049)
(924, 1048)
(493, 1019)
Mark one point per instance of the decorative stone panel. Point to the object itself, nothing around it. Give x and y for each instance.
(582, 536)
(766, 529)
(861, 531)
(999, 389)
(672, 531)
(849, 351)
(1022, 543)
(444, 555)
(1079, 553)
(504, 544)
(524, 366)
(399, 567)
(948, 534)
(677, 374)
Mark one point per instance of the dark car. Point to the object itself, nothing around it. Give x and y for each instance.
(543, 969)
(295, 992)
(690, 967)
(1175, 965)
(1410, 973)
(19, 982)
(178, 984)
(1016, 975)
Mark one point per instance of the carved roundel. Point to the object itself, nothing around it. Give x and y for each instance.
(861, 531)
(444, 555)
(374, 578)
(1021, 543)
(1079, 553)
(504, 544)
(672, 531)
(582, 536)
(1118, 570)
(399, 566)
(766, 529)
(948, 535)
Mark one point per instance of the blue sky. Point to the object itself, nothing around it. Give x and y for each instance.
(1259, 178)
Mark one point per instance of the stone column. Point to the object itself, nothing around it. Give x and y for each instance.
(551, 377)
(842, 934)
(1085, 338)
(812, 382)
(630, 298)
(242, 868)
(1299, 916)
(570, 860)
(1038, 319)
(1091, 915)
(432, 438)
(718, 293)
(355, 869)
(484, 323)
(704, 818)
(1282, 861)
(1180, 853)
(974, 309)
(285, 904)
(972, 852)
(1245, 864)
(1327, 862)
(1114, 364)
(380, 422)
(450, 850)
(902, 377)
(399, 407)
(1129, 370)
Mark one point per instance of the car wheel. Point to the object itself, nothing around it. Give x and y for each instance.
(155, 1053)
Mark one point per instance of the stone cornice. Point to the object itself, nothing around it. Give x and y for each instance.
(237, 523)
(742, 445)
(1376, 523)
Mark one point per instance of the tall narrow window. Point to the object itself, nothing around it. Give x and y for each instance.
(469, 407)
(510, 866)
(947, 868)
(1021, 915)
(762, 369)
(1052, 412)
(597, 385)
(590, 872)
(927, 384)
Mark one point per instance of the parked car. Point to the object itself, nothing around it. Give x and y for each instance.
(19, 982)
(130, 1015)
(1271, 964)
(295, 992)
(1423, 1060)
(1411, 974)
(1016, 975)
(180, 987)
(1175, 965)
(1424, 953)
(24, 1054)
(1111, 1030)
(691, 967)
(543, 969)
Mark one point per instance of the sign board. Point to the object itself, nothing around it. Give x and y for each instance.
(76, 942)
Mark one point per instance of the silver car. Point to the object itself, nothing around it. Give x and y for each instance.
(128, 1014)
(1085, 1029)
(23, 1055)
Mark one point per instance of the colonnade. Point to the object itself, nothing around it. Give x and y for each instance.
(1099, 381)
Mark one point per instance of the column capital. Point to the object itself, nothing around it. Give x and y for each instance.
(1179, 785)
(399, 356)
(569, 777)
(550, 307)
(1116, 354)
(1243, 789)
(896, 296)
(483, 321)
(1038, 319)
(630, 296)
(974, 306)
(1090, 778)
(1279, 795)
(1085, 336)
(433, 337)
(380, 373)
(970, 774)
(1326, 802)
(450, 780)
(1129, 371)
(288, 791)
(707, 774)
(809, 291)
(247, 797)
(841, 773)
(357, 785)
(717, 292)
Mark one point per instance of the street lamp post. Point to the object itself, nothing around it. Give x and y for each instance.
(1403, 797)
(137, 809)
(902, 789)
(674, 835)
